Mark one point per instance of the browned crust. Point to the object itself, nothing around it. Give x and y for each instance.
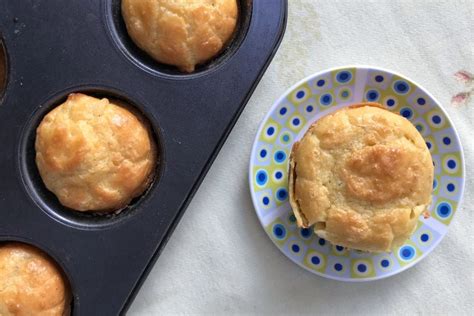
(95, 155)
(370, 181)
(31, 283)
(301, 219)
(183, 33)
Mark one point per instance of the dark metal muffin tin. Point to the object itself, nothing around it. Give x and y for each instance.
(56, 47)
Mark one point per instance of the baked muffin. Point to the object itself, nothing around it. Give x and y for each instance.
(30, 283)
(182, 33)
(93, 154)
(361, 176)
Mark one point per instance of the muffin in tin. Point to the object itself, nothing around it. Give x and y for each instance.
(95, 155)
(362, 176)
(31, 283)
(182, 33)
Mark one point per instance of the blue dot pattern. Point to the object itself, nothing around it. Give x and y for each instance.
(262, 178)
(344, 76)
(362, 268)
(443, 210)
(280, 156)
(401, 87)
(305, 232)
(436, 119)
(451, 164)
(407, 253)
(270, 131)
(279, 231)
(406, 113)
(282, 194)
(315, 260)
(289, 119)
(325, 99)
(372, 95)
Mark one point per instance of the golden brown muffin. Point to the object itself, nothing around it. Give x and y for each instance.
(182, 33)
(30, 283)
(361, 176)
(93, 154)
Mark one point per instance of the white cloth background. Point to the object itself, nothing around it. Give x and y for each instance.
(220, 261)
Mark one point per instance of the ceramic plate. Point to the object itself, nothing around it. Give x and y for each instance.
(286, 123)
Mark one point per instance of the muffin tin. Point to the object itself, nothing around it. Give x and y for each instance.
(54, 48)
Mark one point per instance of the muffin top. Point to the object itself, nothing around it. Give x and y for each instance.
(183, 33)
(362, 176)
(30, 283)
(93, 154)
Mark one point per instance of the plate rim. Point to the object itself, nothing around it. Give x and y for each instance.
(283, 96)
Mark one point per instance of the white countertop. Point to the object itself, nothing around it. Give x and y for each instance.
(220, 261)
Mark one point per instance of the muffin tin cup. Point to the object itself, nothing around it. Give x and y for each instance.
(118, 34)
(55, 48)
(45, 199)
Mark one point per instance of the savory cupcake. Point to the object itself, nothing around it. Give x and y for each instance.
(94, 155)
(362, 176)
(182, 33)
(30, 283)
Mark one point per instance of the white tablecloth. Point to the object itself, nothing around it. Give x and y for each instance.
(219, 259)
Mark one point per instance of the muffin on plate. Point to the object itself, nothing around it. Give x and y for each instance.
(94, 155)
(361, 176)
(31, 283)
(182, 33)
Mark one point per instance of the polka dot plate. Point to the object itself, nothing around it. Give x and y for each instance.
(287, 121)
